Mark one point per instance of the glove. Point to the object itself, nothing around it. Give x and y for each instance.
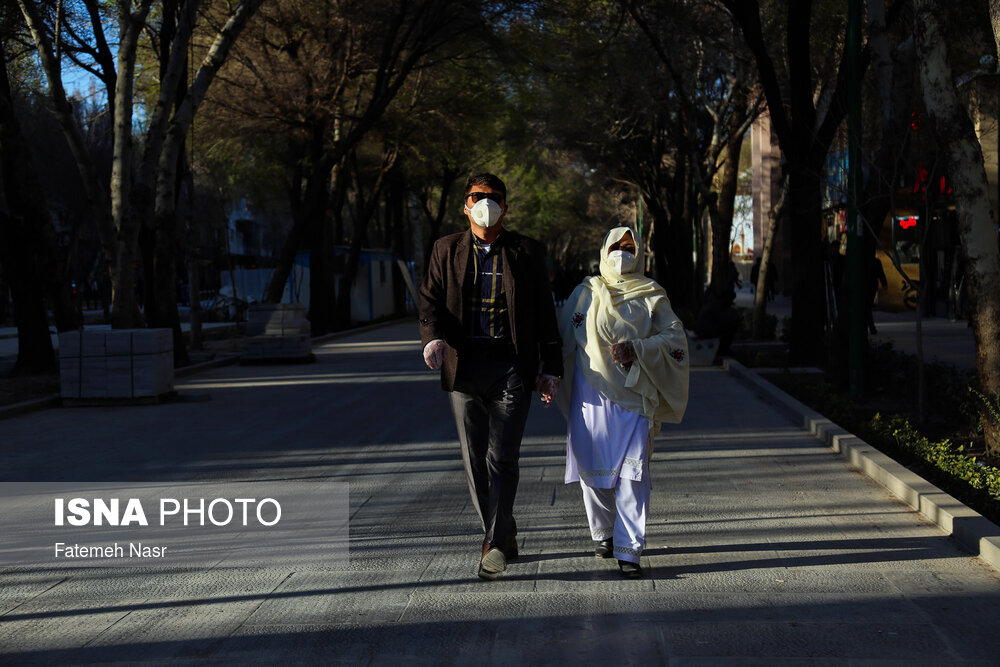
(434, 354)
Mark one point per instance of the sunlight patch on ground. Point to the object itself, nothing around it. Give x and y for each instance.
(302, 380)
(738, 434)
(385, 346)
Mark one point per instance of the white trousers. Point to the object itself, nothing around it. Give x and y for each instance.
(620, 513)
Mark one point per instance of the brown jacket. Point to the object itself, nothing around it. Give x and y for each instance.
(530, 307)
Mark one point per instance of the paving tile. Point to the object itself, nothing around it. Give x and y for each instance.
(48, 625)
(335, 599)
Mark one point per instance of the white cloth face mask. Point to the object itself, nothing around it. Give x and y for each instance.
(486, 212)
(621, 261)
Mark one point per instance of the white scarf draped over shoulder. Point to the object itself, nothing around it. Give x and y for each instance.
(613, 308)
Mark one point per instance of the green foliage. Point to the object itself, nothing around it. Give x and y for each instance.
(991, 404)
(548, 200)
(962, 474)
(26, 75)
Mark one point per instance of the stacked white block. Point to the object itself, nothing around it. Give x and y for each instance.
(277, 331)
(701, 350)
(116, 363)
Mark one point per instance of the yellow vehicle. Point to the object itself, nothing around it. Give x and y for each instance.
(902, 233)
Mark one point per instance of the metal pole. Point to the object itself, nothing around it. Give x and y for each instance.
(855, 231)
(639, 217)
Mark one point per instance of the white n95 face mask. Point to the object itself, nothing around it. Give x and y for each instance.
(621, 261)
(486, 212)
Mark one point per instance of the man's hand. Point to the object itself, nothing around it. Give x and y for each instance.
(434, 354)
(623, 353)
(547, 386)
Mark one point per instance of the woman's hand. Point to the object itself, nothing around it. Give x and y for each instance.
(623, 353)
(547, 386)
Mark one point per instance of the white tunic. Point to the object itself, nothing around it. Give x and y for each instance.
(604, 440)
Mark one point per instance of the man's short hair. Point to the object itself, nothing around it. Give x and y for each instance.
(489, 180)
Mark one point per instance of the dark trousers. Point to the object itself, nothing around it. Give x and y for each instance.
(490, 403)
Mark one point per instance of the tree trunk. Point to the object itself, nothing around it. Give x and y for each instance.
(322, 296)
(125, 313)
(21, 272)
(289, 251)
(169, 155)
(162, 313)
(722, 221)
(774, 216)
(21, 241)
(995, 20)
(806, 334)
(347, 278)
(670, 207)
(659, 219)
(396, 219)
(108, 214)
(922, 294)
(319, 241)
(436, 218)
(97, 199)
(293, 242)
(702, 222)
(192, 238)
(27, 202)
(161, 307)
(976, 217)
(681, 255)
(362, 218)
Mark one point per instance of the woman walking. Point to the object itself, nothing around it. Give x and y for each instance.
(626, 370)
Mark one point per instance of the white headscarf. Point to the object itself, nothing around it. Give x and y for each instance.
(631, 307)
(633, 283)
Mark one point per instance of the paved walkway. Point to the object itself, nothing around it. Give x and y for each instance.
(764, 547)
(943, 340)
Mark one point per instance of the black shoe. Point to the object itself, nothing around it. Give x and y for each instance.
(604, 549)
(492, 564)
(630, 570)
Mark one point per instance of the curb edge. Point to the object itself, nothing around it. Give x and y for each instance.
(973, 532)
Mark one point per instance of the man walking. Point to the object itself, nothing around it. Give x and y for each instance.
(488, 322)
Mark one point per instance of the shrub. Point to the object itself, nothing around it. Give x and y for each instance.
(960, 473)
(985, 407)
